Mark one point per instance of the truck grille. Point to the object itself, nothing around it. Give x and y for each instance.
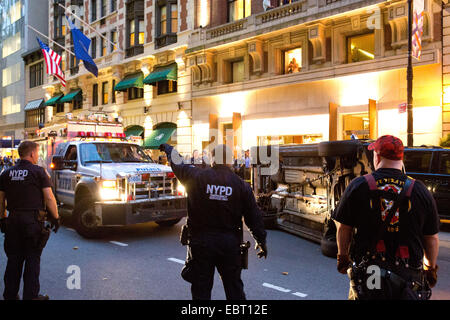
(154, 187)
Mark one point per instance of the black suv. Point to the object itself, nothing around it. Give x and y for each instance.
(431, 165)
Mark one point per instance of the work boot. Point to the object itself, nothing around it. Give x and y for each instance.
(41, 297)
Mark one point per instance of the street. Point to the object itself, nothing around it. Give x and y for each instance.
(143, 262)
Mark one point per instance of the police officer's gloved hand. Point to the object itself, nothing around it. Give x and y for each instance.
(3, 225)
(343, 263)
(55, 223)
(163, 147)
(431, 275)
(262, 250)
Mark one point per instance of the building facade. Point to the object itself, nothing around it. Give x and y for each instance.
(16, 39)
(311, 70)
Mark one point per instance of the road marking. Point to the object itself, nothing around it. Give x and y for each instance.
(176, 260)
(299, 294)
(271, 286)
(119, 243)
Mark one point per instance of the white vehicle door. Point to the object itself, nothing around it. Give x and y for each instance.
(66, 179)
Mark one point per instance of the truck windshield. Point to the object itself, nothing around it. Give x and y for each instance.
(112, 152)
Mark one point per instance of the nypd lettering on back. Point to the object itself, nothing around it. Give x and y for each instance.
(18, 175)
(218, 192)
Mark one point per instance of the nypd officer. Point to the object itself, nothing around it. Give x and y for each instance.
(217, 201)
(26, 188)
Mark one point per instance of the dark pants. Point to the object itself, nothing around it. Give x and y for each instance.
(212, 251)
(22, 237)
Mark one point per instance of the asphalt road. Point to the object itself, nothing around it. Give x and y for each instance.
(144, 262)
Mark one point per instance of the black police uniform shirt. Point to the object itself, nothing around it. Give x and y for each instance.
(218, 199)
(354, 210)
(23, 186)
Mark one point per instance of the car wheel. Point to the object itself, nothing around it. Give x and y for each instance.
(85, 221)
(168, 223)
(337, 148)
(329, 247)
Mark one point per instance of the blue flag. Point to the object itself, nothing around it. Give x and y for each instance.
(81, 45)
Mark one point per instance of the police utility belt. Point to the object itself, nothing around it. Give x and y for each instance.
(244, 246)
(415, 287)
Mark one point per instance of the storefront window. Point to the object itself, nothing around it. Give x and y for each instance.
(361, 48)
(292, 60)
(356, 125)
(289, 139)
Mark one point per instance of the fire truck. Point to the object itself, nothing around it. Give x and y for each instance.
(102, 179)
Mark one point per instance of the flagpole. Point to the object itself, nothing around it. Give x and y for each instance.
(409, 78)
(50, 40)
(90, 27)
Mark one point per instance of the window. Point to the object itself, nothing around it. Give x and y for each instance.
(174, 18)
(11, 74)
(35, 117)
(103, 8)
(10, 105)
(103, 45)
(132, 33)
(168, 17)
(294, 139)
(15, 12)
(94, 48)
(292, 60)
(113, 5)
(36, 75)
(11, 44)
(417, 161)
(59, 23)
(95, 95)
(59, 107)
(93, 10)
(238, 9)
(113, 38)
(77, 104)
(135, 27)
(445, 163)
(141, 32)
(166, 86)
(237, 71)
(361, 48)
(105, 92)
(135, 93)
(113, 91)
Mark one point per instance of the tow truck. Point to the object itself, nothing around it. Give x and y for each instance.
(103, 180)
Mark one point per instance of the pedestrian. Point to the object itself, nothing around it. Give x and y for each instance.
(217, 201)
(25, 234)
(392, 222)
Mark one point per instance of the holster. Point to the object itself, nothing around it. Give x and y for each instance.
(41, 216)
(184, 236)
(244, 254)
(43, 238)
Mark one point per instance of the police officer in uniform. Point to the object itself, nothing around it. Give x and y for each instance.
(217, 201)
(388, 220)
(26, 188)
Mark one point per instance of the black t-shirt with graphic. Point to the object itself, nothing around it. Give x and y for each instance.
(23, 186)
(354, 210)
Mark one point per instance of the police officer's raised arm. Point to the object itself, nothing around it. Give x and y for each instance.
(184, 172)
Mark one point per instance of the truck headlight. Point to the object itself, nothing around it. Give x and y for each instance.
(109, 190)
(180, 189)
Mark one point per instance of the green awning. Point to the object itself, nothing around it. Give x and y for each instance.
(72, 95)
(33, 105)
(169, 72)
(130, 81)
(53, 100)
(135, 131)
(158, 136)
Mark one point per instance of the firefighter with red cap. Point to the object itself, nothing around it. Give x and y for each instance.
(387, 230)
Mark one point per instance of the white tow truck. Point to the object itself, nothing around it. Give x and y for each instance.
(103, 180)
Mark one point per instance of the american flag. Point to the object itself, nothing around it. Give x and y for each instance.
(417, 30)
(52, 60)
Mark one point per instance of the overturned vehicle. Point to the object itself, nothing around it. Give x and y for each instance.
(299, 186)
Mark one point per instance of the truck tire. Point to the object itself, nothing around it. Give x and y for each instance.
(337, 148)
(168, 223)
(84, 219)
(328, 244)
(306, 150)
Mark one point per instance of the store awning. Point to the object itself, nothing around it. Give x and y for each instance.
(134, 80)
(159, 135)
(135, 131)
(54, 100)
(35, 104)
(72, 95)
(169, 72)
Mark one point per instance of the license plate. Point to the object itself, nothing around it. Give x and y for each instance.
(135, 179)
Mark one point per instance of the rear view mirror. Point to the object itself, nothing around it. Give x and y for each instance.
(57, 163)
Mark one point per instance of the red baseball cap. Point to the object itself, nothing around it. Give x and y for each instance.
(388, 147)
